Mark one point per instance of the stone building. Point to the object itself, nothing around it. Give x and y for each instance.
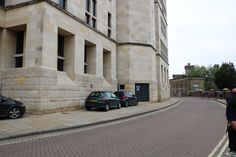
(184, 85)
(53, 53)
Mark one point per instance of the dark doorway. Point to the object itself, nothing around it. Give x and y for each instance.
(142, 92)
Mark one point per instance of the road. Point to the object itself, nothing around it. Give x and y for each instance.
(191, 129)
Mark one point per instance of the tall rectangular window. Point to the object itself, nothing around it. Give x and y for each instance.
(109, 24)
(90, 12)
(2, 3)
(62, 4)
(60, 53)
(19, 49)
(109, 19)
(85, 59)
(94, 3)
(87, 5)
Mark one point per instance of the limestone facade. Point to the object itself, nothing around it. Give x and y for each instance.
(53, 54)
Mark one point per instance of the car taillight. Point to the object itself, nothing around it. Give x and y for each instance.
(103, 99)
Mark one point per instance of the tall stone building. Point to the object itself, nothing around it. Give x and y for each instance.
(53, 53)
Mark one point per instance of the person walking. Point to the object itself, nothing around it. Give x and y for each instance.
(231, 117)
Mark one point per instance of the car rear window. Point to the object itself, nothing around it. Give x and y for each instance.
(128, 94)
(97, 94)
(119, 94)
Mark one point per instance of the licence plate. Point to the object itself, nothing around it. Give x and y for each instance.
(93, 101)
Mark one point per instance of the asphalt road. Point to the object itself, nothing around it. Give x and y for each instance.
(191, 129)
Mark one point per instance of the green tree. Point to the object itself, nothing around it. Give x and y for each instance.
(210, 77)
(198, 71)
(225, 77)
(205, 72)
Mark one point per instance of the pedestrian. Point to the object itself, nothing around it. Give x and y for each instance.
(231, 117)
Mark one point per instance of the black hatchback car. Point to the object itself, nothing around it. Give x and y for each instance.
(127, 98)
(11, 108)
(102, 100)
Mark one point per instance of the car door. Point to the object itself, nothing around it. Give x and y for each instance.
(109, 100)
(4, 106)
(114, 100)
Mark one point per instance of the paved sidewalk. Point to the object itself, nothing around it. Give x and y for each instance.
(37, 124)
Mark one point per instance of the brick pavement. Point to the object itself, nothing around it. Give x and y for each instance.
(30, 124)
(192, 129)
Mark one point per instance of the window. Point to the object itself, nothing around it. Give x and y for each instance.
(19, 49)
(109, 24)
(122, 87)
(2, 3)
(85, 59)
(90, 14)
(89, 58)
(87, 5)
(94, 4)
(60, 53)
(62, 4)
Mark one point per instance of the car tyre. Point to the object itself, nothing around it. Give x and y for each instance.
(119, 106)
(136, 102)
(14, 113)
(107, 107)
(88, 108)
(126, 103)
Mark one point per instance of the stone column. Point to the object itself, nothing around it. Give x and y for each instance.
(34, 39)
(50, 35)
(79, 54)
(7, 48)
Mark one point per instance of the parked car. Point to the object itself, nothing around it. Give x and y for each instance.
(11, 108)
(127, 98)
(102, 100)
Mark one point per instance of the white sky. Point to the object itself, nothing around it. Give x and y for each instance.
(200, 32)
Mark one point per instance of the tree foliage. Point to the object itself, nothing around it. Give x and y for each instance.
(206, 72)
(225, 77)
(198, 71)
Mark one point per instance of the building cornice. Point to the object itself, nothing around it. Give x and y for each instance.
(55, 5)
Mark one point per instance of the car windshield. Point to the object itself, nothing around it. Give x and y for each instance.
(96, 94)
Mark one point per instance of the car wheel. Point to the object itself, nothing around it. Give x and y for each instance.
(107, 107)
(88, 108)
(119, 106)
(14, 113)
(136, 103)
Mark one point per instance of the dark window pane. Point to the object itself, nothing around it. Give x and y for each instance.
(85, 54)
(122, 86)
(2, 3)
(87, 16)
(62, 4)
(94, 23)
(87, 5)
(60, 65)
(109, 20)
(94, 5)
(60, 46)
(109, 33)
(85, 69)
(19, 62)
(19, 42)
(85, 59)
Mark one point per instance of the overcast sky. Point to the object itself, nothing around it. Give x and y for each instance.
(201, 32)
